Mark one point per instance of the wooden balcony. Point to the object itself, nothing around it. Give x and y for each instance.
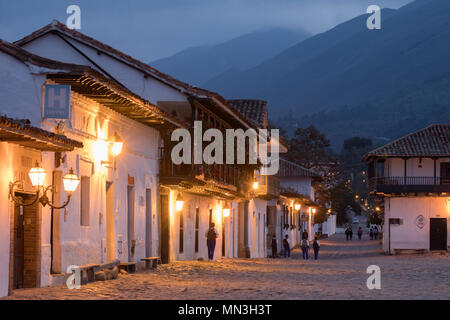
(269, 187)
(216, 180)
(404, 185)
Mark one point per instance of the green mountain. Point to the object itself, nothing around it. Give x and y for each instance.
(199, 64)
(353, 81)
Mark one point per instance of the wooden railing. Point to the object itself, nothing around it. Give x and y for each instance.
(409, 184)
(221, 173)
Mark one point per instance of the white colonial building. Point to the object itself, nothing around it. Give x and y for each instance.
(182, 231)
(411, 176)
(294, 211)
(112, 213)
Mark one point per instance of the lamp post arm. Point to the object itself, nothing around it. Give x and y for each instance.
(16, 199)
(62, 206)
(45, 200)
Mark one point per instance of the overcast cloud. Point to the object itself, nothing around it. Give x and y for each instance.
(151, 29)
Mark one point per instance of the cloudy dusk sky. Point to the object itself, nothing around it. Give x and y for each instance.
(152, 29)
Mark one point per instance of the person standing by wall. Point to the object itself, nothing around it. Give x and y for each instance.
(211, 235)
(286, 247)
(274, 246)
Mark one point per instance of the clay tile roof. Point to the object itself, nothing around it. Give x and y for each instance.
(253, 110)
(291, 169)
(21, 132)
(433, 141)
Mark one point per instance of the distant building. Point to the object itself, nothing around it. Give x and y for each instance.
(412, 177)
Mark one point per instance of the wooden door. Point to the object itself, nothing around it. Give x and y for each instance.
(438, 234)
(18, 268)
(165, 228)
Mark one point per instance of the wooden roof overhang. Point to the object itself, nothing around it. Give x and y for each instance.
(113, 96)
(22, 133)
(290, 194)
(196, 185)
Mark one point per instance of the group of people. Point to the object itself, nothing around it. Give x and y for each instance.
(373, 233)
(304, 245)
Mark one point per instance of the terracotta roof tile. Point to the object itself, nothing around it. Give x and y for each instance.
(14, 128)
(291, 169)
(433, 141)
(253, 110)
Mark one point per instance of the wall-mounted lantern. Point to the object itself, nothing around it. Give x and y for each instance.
(255, 185)
(297, 206)
(37, 176)
(116, 150)
(314, 210)
(179, 202)
(226, 211)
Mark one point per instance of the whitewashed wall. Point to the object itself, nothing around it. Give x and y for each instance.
(408, 235)
(91, 123)
(53, 47)
(257, 232)
(394, 167)
(300, 185)
(6, 166)
(20, 90)
(191, 202)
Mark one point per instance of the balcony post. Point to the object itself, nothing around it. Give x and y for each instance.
(434, 161)
(405, 159)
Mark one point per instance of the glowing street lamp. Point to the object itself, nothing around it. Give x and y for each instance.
(71, 181)
(37, 175)
(117, 145)
(297, 206)
(179, 202)
(255, 185)
(314, 210)
(226, 211)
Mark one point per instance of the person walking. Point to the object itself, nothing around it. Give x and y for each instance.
(274, 246)
(360, 233)
(286, 247)
(305, 234)
(305, 248)
(371, 233)
(316, 247)
(211, 235)
(375, 232)
(350, 232)
(347, 234)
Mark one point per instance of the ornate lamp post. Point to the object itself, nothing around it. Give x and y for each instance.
(37, 176)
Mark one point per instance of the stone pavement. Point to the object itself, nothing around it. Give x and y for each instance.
(340, 273)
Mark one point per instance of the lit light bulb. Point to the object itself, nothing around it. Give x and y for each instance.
(37, 175)
(71, 181)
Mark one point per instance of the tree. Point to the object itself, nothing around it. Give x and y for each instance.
(342, 198)
(309, 148)
(321, 216)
